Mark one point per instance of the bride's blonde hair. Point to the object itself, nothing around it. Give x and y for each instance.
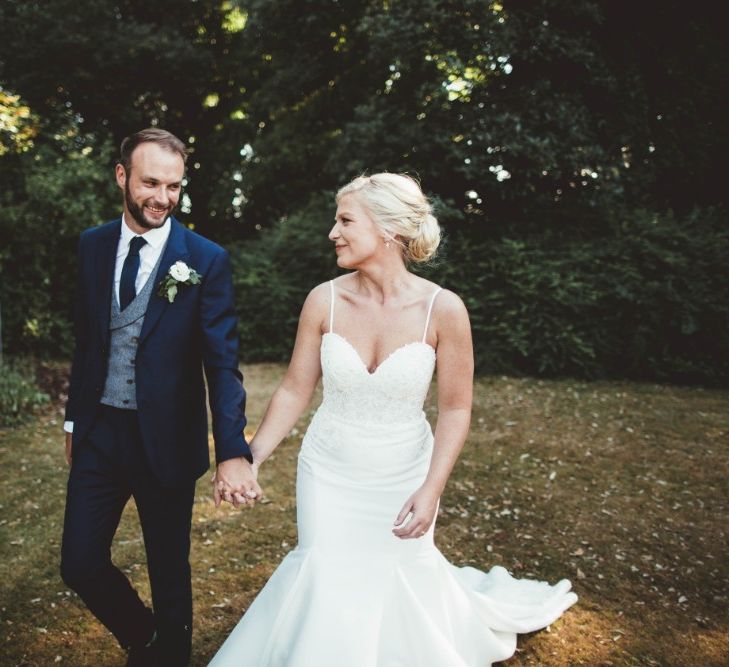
(401, 211)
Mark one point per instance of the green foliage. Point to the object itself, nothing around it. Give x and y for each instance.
(647, 301)
(17, 126)
(122, 66)
(47, 197)
(521, 115)
(532, 123)
(19, 393)
(273, 274)
(518, 114)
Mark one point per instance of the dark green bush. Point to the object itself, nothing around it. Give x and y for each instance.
(47, 198)
(648, 301)
(19, 393)
(274, 273)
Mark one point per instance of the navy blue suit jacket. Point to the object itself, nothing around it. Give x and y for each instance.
(178, 340)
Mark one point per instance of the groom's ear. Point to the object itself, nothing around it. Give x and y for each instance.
(121, 175)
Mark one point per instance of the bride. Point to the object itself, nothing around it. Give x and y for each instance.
(366, 586)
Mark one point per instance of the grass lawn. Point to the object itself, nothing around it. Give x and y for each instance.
(621, 487)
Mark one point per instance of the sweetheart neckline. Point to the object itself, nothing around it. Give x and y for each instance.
(377, 368)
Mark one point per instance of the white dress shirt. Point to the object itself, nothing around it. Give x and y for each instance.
(148, 255)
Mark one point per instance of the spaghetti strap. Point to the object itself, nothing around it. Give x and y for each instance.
(331, 307)
(430, 310)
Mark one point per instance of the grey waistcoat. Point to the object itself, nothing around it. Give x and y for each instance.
(125, 326)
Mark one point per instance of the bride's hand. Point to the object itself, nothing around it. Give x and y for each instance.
(422, 506)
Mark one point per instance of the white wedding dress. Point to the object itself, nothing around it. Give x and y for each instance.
(351, 594)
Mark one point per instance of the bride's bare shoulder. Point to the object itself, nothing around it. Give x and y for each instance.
(449, 311)
(316, 305)
(320, 293)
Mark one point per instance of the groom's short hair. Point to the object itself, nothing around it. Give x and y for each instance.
(154, 135)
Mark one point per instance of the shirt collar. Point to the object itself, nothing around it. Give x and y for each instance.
(155, 237)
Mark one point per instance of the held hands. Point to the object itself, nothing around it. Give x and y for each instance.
(421, 506)
(235, 481)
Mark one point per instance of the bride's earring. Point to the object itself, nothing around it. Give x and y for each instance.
(387, 243)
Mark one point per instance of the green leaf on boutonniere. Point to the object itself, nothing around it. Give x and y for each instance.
(179, 274)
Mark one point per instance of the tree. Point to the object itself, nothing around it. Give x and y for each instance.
(542, 125)
(121, 66)
(520, 116)
(48, 194)
(443, 89)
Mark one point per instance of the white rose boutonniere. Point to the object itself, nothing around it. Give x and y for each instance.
(179, 274)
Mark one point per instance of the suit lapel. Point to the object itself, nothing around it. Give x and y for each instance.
(175, 250)
(105, 261)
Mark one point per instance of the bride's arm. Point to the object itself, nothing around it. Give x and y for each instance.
(294, 393)
(454, 364)
(455, 390)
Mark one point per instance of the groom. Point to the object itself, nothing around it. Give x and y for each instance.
(154, 307)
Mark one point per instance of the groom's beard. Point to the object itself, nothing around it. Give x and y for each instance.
(138, 214)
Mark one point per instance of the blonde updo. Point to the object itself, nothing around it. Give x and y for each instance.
(401, 211)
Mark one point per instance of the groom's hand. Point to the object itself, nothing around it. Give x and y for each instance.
(235, 482)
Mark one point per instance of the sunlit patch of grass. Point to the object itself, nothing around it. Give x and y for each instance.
(621, 487)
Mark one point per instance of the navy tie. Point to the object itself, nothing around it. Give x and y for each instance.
(127, 289)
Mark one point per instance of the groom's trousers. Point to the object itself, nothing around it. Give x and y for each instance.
(108, 467)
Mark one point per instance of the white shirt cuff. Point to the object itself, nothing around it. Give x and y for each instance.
(68, 427)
